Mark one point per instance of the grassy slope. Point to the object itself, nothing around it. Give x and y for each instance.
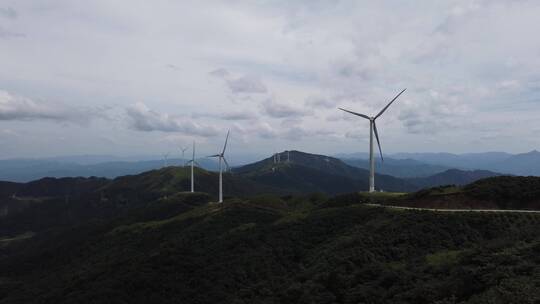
(271, 250)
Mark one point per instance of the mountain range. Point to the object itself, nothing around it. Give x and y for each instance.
(304, 173)
(402, 168)
(401, 165)
(25, 170)
(320, 173)
(517, 164)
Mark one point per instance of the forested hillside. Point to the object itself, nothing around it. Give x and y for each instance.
(294, 249)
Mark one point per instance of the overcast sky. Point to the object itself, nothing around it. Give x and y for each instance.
(145, 77)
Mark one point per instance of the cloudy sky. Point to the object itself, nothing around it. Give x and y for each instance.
(145, 77)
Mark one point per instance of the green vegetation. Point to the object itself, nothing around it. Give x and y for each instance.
(142, 238)
(443, 258)
(501, 192)
(516, 190)
(270, 249)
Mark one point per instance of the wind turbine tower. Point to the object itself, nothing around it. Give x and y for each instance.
(221, 157)
(193, 163)
(373, 129)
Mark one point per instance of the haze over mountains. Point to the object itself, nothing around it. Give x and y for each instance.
(409, 170)
(24, 170)
(431, 163)
(303, 173)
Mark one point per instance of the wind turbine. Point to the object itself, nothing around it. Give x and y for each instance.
(373, 128)
(222, 160)
(193, 163)
(165, 156)
(183, 151)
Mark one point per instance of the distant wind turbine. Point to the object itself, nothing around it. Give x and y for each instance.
(372, 129)
(165, 156)
(222, 160)
(183, 158)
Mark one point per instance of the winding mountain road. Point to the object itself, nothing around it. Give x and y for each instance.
(455, 210)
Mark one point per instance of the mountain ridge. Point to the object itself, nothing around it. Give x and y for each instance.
(328, 170)
(452, 177)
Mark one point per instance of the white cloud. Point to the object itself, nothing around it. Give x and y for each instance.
(238, 115)
(141, 118)
(283, 110)
(259, 129)
(246, 84)
(243, 84)
(320, 102)
(8, 12)
(6, 34)
(19, 108)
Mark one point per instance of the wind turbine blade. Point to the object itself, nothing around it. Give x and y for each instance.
(226, 140)
(198, 165)
(382, 111)
(378, 141)
(354, 113)
(215, 155)
(227, 164)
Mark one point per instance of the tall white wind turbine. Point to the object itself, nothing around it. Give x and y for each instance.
(193, 163)
(222, 160)
(373, 129)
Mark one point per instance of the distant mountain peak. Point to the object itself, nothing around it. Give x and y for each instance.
(534, 153)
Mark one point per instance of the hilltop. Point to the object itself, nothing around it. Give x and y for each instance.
(306, 172)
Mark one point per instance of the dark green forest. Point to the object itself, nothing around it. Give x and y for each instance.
(181, 248)
(501, 192)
